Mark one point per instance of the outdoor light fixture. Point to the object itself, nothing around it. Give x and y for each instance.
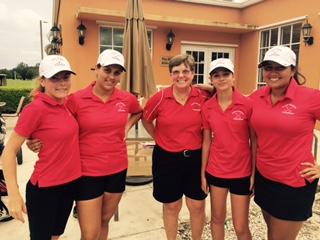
(170, 39)
(306, 32)
(82, 33)
(55, 39)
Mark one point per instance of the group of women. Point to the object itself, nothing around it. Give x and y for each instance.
(216, 142)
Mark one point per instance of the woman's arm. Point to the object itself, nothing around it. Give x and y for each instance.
(253, 144)
(206, 87)
(16, 203)
(133, 119)
(206, 143)
(149, 126)
(34, 145)
(311, 170)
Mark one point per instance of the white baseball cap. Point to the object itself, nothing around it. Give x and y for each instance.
(53, 64)
(221, 63)
(111, 57)
(281, 55)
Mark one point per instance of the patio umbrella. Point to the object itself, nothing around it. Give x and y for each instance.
(139, 78)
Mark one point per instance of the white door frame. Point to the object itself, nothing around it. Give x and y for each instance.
(208, 48)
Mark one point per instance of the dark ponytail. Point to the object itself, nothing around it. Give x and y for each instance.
(298, 77)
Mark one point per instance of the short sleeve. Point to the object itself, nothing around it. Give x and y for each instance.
(71, 104)
(150, 111)
(315, 104)
(28, 121)
(134, 106)
(205, 123)
(249, 105)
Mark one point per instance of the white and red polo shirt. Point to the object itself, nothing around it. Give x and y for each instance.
(103, 150)
(285, 132)
(230, 152)
(56, 128)
(178, 127)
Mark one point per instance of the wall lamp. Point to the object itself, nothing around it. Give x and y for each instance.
(82, 33)
(306, 32)
(170, 39)
(55, 39)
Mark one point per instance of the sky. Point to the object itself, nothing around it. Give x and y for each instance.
(20, 31)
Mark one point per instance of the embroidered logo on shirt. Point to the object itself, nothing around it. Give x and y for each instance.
(121, 107)
(196, 106)
(289, 109)
(238, 115)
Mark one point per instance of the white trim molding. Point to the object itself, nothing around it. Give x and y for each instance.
(120, 24)
(292, 20)
(222, 3)
(210, 44)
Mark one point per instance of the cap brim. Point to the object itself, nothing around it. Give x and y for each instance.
(263, 63)
(51, 75)
(114, 64)
(220, 67)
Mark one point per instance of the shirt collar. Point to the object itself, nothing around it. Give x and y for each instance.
(237, 98)
(88, 92)
(168, 92)
(45, 98)
(293, 85)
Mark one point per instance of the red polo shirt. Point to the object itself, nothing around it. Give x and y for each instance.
(285, 132)
(230, 153)
(177, 127)
(102, 129)
(53, 124)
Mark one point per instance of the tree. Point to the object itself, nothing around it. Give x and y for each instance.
(9, 73)
(25, 72)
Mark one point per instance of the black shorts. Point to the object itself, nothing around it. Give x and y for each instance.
(176, 174)
(93, 187)
(239, 186)
(49, 209)
(283, 201)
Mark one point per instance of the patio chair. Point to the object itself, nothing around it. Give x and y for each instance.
(19, 108)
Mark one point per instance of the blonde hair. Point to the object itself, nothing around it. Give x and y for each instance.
(37, 88)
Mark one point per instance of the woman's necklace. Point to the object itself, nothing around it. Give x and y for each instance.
(181, 98)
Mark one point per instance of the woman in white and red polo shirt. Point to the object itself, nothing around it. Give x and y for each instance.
(51, 189)
(105, 114)
(176, 160)
(284, 116)
(226, 152)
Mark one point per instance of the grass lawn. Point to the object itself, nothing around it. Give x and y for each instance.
(12, 83)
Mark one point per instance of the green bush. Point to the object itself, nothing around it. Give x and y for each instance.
(12, 97)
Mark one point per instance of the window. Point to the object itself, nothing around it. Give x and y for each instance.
(199, 66)
(203, 55)
(112, 38)
(288, 35)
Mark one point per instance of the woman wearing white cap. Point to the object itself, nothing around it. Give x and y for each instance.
(284, 116)
(226, 154)
(105, 114)
(50, 191)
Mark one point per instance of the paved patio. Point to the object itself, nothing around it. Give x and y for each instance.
(140, 216)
